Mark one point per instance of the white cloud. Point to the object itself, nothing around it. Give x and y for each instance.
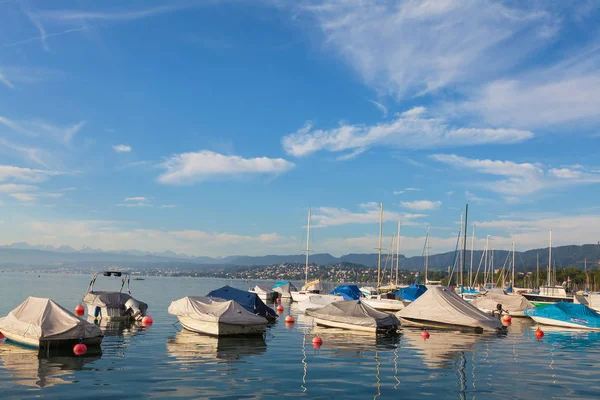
(122, 148)
(14, 187)
(132, 205)
(187, 168)
(4, 80)
(520, 179)
(135, 199)
(168, 206)
(23, 196)
(421, 205)
(78, 16)
(9, 172)
(44, 130)
(331, 216)
(381, 107)
(412, 129)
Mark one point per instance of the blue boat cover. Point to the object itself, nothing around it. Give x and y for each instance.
(412, 292)
(250, 301)
(567, 312)
(468, 290)
(348, 292)
(509, 289)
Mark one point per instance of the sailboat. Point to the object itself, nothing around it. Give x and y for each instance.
(386, 301)
(550, 293)
(312, 287)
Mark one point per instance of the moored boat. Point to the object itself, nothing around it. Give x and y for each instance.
(113, 305)
(310, 288)
(494, 302)
(264, 293)
(566, 315)
(42, 323)
(284, 289)
(316, 301)
(354, 315)
(250, 301)
(549, 295)
(440, 307)
(217, 317)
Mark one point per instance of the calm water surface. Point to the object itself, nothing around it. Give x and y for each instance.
(162, 361)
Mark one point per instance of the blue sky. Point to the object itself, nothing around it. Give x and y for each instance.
(210, 127)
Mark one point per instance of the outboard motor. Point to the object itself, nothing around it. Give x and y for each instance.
(137, 309)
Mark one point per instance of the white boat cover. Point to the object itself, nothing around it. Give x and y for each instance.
(316, 301)
(107, 299)
(315, 285)
(510, 303)
(355, 312)
(210, 309)
(440, 305)
(258, 289)
(38, 318)
(368, 290)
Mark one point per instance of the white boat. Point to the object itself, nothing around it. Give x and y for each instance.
(217, 317)
(115, 306)
(354, 315)
(494, 303)
(592, 300)
(264, 293)
(566, 315)
(383, 303)
(316, 301)
(42, 323)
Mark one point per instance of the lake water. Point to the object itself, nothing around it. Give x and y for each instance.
(162, 361)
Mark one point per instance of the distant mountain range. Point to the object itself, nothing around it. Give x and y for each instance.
(23, 254)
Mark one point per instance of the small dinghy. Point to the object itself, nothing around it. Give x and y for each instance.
(494, 302)
(566, 315)
(354, 315)
(217, 317)
(439, 307)
(265, 294)
(42, 323)
(284, 289)
(250, 301)
(115, 306)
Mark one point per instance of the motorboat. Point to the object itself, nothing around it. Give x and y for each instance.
(266, 294)
(354, 315)
(217, 317)
(592, 300)
(440, 307)
(385, 302)
(316, 301)
(284, 289)
(310, 288)
(250, 301)
(566, 315)
(42, 323)
(549, 295)
(502, 303)
(116, 306)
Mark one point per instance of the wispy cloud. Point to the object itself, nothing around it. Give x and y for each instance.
(421, 205)
(187, 168)
(44, 129)
(369, 214)
(134, 205)
(15, 187)
(381, 107)
(519, 179)
(122, 148)
(116, 15)
(31, 197)
(412, 129)
(10, 172)
(135, 199)
(4, 80)
(408, 189)
(168, 206)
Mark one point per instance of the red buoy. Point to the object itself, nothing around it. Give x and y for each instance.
(290, 318)
(425, 335)
(317, 342)
(147, 321)
(1, 335)
(278, 300)
(539, 333)
(280, 308)
(80, 349)
(506, 318)
(79, 310)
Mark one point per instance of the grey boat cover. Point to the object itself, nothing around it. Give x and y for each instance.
(210, 309)
(258, 289)
(510, 303)
(355, 312)
(284, 288)
(38, 318)
(440, 305)
(106, 299)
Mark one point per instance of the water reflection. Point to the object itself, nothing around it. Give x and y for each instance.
(41, 368)
(192, 348)
(117, 335)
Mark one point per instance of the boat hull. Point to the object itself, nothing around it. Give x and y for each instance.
(302, 295)
(342, 325)
(441, 325)
(384, 304)
(563, 324)
(49, 343)
(538, 300)
(108, 314)
(221, 329)
(270, 297)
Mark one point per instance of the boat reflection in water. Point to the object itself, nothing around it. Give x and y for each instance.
(117, 334)
(191, 348)
(43, 368)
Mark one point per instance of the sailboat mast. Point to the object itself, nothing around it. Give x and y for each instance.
(513, 266)
(464, 257)
(307, 249)
(427, 254)
(471, 264)
(550, 259)
(397, 252)
(537, 273)
(459, 276)
(485, 267)
(379, 248)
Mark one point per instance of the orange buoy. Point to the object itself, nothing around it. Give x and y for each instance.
(80, 349)
(147, 320)
(289, 325)
(79, 310)
(280, 308)
(278, 300)
(425, 335)
(317, 342)
(290, 319)
(506, 318)
(539, 333)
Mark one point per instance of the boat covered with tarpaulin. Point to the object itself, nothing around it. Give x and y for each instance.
(354, 315)
(216, 316)
(250, 301)
(266, 294)
(567, 315)
(42, 323)
(347, 292)
(412, 292)
(494, 302)
(285, 289)
(440, 307)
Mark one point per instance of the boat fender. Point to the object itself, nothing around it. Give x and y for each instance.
(97, 311)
